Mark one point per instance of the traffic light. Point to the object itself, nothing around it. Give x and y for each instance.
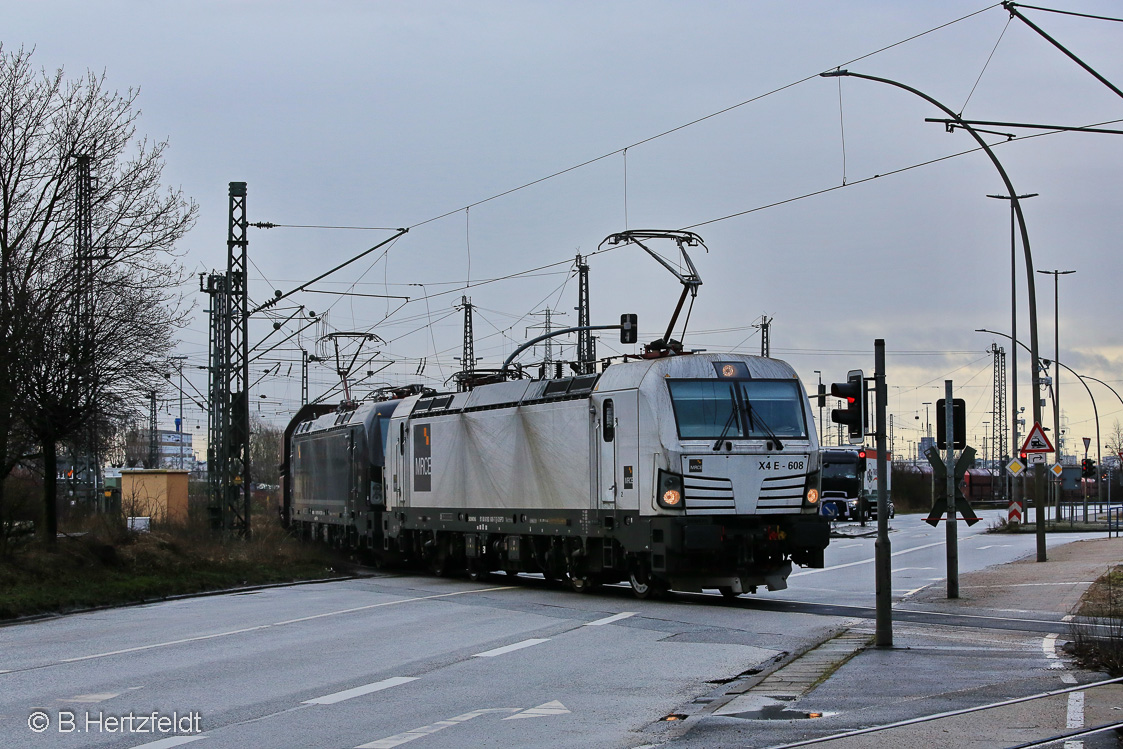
(854, 415)
(1088, 468)
(629, 331)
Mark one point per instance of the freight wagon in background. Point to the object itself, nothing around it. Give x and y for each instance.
(688, 471)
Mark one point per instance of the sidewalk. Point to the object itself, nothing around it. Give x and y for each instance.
(937, 668)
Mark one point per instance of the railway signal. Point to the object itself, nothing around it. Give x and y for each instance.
(959, 423)
(854, 415)
(629, 328)
(1088, 468)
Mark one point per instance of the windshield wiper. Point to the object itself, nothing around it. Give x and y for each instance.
(729, 421)
(767, 429)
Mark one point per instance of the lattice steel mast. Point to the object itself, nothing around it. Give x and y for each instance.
(999, 423)
(84, 296)
(228, 452)
(586, 344)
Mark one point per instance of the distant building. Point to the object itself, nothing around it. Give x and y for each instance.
(174, 450)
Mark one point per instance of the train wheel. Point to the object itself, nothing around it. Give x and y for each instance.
(644, 586)
(476, 573)
(582, 583)
(727, 591)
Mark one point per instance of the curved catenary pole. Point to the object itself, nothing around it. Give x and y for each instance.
(1038, 472)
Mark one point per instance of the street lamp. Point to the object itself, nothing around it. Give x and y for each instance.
(1038, 473)
(1014, 324)
(927, 424)
(1056, 357)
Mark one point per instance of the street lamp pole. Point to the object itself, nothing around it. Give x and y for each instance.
(1015, 494)
(1039, 473)
(1056, 358)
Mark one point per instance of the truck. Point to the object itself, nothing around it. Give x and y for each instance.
(849, 483)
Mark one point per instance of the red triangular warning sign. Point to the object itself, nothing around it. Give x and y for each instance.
(1036, 441)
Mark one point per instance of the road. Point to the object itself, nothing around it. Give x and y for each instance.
(400, 659)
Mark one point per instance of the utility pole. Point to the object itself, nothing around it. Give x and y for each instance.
(179, 421)
(153, 451)
(548, 351)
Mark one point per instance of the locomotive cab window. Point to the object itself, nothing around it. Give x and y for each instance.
(741, 409)
(608, 421)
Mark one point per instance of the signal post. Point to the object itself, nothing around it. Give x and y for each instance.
(854, 417)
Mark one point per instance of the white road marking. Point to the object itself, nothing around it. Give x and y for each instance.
(847, 546)
(510, 648)
(1068, 678)
(863, 561)
(542, 711)
(906, 569)
(1075, 717)
(276, 624)
(1026, 585)
(378, 686)
(402, 738)
(92, 698)
(170, 742)
(994, 546)
(1049, 646)
(611, 619)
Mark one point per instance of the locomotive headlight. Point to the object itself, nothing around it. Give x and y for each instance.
(812, 495)
(669, 491)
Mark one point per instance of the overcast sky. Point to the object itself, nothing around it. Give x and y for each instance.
(389, 114)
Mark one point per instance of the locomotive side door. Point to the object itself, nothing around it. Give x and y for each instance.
(398, 475)
(604, 439)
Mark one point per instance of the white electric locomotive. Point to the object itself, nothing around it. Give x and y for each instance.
(686, 471)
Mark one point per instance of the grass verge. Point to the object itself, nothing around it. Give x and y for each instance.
(107, 566)
(1097, 634)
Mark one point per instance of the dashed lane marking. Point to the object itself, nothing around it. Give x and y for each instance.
(378, 686)
(277, 624)
(170, 742)
(417, 733)
(611, 619)
(510, 648)
(542, 711)
(92, 698)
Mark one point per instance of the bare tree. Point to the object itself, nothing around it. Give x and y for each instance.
(73, 343)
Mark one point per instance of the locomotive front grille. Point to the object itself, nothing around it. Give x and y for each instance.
(708, 496)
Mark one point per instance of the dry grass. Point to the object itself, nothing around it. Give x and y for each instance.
(106, 564)
(1097, 633)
